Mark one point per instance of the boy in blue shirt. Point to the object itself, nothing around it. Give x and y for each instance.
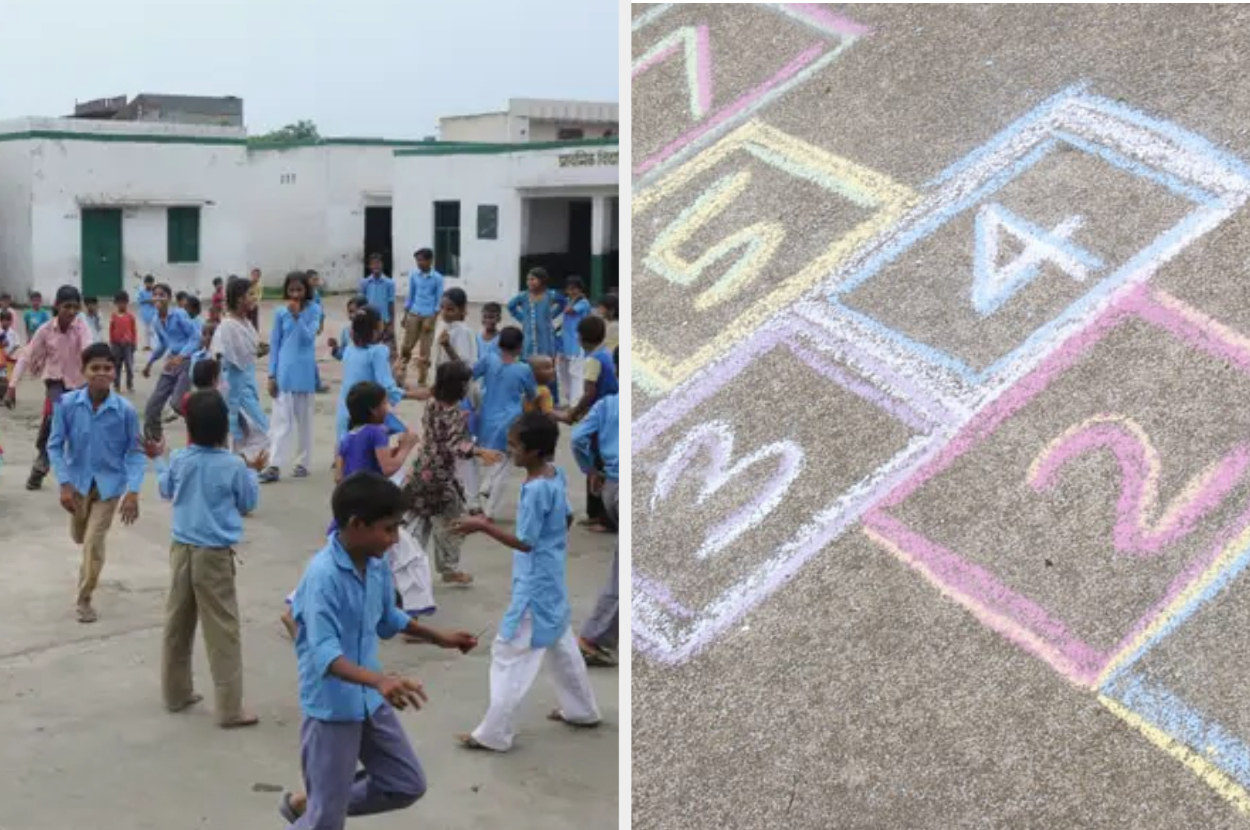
(147, 309)
(600, 381)
(344, 603)
(179, 336)
(379, 290)
(601, 428)
(212, 490)
(96, 451)
(569, 361)
(425, 295)
(535, 627)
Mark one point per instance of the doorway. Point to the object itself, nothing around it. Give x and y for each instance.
(101, 252)
(378, 237)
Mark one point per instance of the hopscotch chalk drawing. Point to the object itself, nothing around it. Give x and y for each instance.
(1007, 610)
(712, 114)
(749, 250)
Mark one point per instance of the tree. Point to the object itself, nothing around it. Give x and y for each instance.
(290, 134)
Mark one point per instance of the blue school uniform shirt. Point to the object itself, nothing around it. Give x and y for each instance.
(380, 291)
(570, 345)
(604, 375)
(538, 578)
(373, 363)
(485, 347)
(425, 292)
(97, 446)
(147, 306)
(537, 321)
(293, 349)
(177, 334)
(342, 612)
(212, 490)
(602, 422)
(504, 387)
(34, 319)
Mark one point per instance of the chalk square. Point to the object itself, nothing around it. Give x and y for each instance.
(857, 191)
(1158, 571)
(673, 45)
(1169, 159)
(860, 445)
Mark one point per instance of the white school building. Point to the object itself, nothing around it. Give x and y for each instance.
(100, 203)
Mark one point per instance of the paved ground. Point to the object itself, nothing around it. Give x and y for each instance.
(940, 473)
(87, 743)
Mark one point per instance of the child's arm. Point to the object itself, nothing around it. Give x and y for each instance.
(247, 483)
(480, 524)
(275, 347)
(583, 432)
(391, 459)
(516, 305)
(338, 469)
(166, 478)
(136, 456)
(589, 389)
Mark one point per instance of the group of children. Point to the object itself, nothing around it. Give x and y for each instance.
(486, 404)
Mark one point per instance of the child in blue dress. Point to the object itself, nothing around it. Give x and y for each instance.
(536, 310)
(536, 627)
(507, 382)
(569, 360)
(237, 344)
(293, 376)
(366, 357)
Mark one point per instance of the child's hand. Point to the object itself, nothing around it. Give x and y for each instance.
(596, 481)
(153, 448)
(410, 439)
(469, 524)
(273, 388)
(462, 640)
(147, 371)
(129, 509)
(69, 498)
(293, 306)
(444, 339)
(490, 457)
(332, 342)
(260, 461)
(401, 692)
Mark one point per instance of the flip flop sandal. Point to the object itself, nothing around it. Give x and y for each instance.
(598, 658)
(469, 742)
(556, 715)
(240, 723)
(286, 810)
(186, 704)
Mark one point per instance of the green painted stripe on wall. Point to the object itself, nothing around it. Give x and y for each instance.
(118, 138)
(454, 149)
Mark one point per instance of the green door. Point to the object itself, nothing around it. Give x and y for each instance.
(101, 252)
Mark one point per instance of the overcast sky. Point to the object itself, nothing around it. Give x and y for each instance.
(384, 68)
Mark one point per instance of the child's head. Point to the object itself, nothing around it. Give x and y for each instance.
(536, 280)
(68, 303)
(451, 381)
(366, 404)
(455, 304)
(608, 307)
(575, 288)
(191, 304)
(149, 281)
(368, 510)
(375, 263)
(296, 287)
(590, 332)
(355, 304)
(218, 282)
(36, 300)
(424, 258)
(205, 373)
(511, 340)
(92, 304)
(314, 279)
(207, 332)
(208, 417)
(254, 274)
(492, 313)
(6, 300)
(6, 318)
(161, 293)
(98, 367)
(121, 301)
(544, 369)
(180, 299)
(239, 296)
(366, 326)
(532, 440)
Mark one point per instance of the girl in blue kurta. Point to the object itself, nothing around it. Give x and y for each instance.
(506, 382)
(536, 627)
(536, 311)
(236, 343)
(293, 375)
(367, 358)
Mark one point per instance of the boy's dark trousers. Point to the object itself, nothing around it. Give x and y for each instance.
(124, 357)
(53, 390)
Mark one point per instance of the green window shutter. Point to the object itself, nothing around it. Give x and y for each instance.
(447, 237)
(183, 234)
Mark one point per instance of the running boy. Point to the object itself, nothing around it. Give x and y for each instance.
(344, 603)
(179, 336)
(97, 456)
(536, 625)
(123, 338)
(212, 490)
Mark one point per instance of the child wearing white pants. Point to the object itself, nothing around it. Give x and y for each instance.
(291, 423)
(293, 376)
(536, 628)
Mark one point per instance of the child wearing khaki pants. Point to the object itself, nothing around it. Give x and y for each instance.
(206, 526)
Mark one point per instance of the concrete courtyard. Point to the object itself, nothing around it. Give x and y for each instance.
(85, 740)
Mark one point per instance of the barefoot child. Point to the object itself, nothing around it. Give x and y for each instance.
(343, 605)
(506, 383)
(600, 430)
(211, 490)
(535, 628)
(456, 341)
(98, 459)
(435, 494)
